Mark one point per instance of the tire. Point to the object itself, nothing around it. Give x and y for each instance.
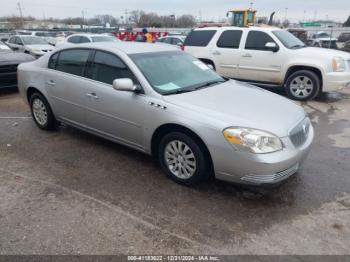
(194, 170)
(42, 113)
(302, 85)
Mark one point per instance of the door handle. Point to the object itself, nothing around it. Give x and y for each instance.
(247, 55)
(51, 83)
(92, 95)
(216, 53)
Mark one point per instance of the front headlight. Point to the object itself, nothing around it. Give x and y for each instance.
(338, 64)
(255, 141)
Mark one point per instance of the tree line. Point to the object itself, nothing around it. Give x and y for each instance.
(135, 18)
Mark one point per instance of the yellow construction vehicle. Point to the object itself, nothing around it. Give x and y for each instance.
(242, 18)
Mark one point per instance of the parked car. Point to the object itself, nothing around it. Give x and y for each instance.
(164, 102)
(51, 37)
(33, 45)
(301, 34)
(177, 40)
(88, 38)
(346, 47)
(9, 61)
(342, 39)
(323, 39)
(270, 57)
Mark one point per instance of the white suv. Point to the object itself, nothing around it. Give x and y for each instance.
(270, 57)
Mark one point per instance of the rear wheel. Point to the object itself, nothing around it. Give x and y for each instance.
(303, 85)
(183, 159)
(41, 112)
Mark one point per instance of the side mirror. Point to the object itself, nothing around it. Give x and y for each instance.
(125, 84)
(271, 46)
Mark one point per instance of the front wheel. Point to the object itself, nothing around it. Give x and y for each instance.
(302, 85)
(183, 159)
(41, 112)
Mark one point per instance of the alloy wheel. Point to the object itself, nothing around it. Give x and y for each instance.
(180, 159)
(40, 112)
(301, 86)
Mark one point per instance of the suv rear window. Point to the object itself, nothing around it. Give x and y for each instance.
(199, 38)
(230, 39)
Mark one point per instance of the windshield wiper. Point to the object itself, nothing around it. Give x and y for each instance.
(179, 91)
(210, 83)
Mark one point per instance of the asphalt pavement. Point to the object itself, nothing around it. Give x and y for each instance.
(69, 192)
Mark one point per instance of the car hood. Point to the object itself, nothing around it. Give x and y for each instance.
(40, 47)
(14, 58)
(321, 52)
(240, 104)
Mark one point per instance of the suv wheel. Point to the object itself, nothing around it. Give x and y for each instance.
(302, 85)
(183, 159)
(41, 112)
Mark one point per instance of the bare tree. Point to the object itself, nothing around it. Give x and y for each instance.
(135, 16)
(186, 21)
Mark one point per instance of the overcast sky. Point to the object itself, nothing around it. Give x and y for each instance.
(297, 10)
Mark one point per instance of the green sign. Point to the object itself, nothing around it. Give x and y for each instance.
(310, 24)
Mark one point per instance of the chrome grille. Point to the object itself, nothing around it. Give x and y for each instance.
(298, 135)
(273, 178)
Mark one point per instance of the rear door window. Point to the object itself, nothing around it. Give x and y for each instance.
(257, 40)
(230, 39)
(107, 67)
(84, 39)
(177, 41)
(73, 61)
(53, 61)
(74, 39)
(19, 41)
(199, 38)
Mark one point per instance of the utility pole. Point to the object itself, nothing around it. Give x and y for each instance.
(83, 16)
(285, 17)
(20, 12)
(126, 18)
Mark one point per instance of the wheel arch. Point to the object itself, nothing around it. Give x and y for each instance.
(313, 69)
(164, 129)
(31, 90)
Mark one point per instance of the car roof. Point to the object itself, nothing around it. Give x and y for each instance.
(87, 34)
(223, 28)
(126, 47)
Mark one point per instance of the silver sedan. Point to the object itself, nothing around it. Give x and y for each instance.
(166, 103)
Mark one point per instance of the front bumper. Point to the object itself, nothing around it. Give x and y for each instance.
(260, 169)
(336, 80)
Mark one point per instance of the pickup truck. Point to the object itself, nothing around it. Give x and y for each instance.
(270, 57)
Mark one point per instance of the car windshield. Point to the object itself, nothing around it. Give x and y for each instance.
(34, 40)
(175, 72)
(322, 35)
(288, 39)
(103, 39)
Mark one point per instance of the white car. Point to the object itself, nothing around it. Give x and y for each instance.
(177, 40)
(88, 38)
(33, 45)
(270, 57)
(323, 39)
